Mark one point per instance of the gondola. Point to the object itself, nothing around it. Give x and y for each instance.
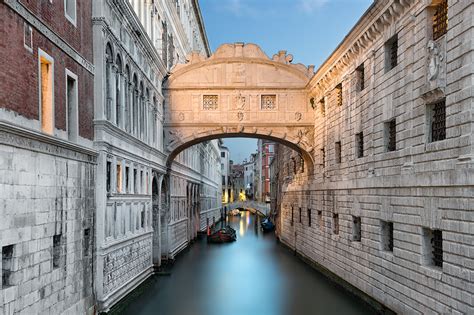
(223, 235)
(267, 225)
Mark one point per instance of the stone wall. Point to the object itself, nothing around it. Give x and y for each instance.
(402, 195)
(48, 207)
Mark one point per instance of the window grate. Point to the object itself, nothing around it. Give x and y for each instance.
(335, 228)
(394, 52)
(210, 102)
(339, 94)
(309, 217)
(322, 107)
(437, 244)
(338, 152)
(292, 216)
(360, 77)
(356, 230)
(392, 135)
(268, 102)
(438, 123)
(390, 236)
(323, 157)
(360, 144)
(440, 20)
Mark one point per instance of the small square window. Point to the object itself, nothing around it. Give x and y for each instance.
(432, 247)
(210, 102)
(359, 145)
(356, 229)
(338, 91)
(337, 152)
(436, 118)
(440, 20)
(323, 156)
(360, 73)
(28, 37)
(335, 223)
(390, 134)
(268, 102)
(70, 10)
(391, 53)
(386, 235)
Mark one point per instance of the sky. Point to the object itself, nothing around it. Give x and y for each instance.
(310, 30)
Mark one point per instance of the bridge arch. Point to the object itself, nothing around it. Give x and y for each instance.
(239, 92)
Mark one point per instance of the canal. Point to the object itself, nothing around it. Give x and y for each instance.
(253, 275)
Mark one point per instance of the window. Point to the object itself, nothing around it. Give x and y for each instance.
(356, 229)
(440, 20)
(323, 156)
(309, 217)
(108, 171)
(320, 219)
(432, 247)
(119, 177)
(292, 215)
(322, 107)
(7, 265)
(46, 81)
(223, 154)
(28, 37)
(386, 235)
(390, 135)
(210, 102)
(268, 102)
(360, 145)
(70, 10)
(300, 216)
(127, 179)
(391, 53)
(436, 114)
(339, 94)
(337, 152)
(335, 223)
(135, 181)
(87, 240)
(56, 250)
(360, 73)
(72, 108)
(142, 217)
(141, 183)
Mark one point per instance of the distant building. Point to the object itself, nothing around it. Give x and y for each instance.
(238, 182)
(225, 173)
(266, 152)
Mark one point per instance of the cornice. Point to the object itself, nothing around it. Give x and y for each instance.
(370, 27)
(20, 137)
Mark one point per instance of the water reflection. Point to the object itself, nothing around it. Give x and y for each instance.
(253, 275)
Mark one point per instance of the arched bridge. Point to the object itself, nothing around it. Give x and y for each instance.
(262, 207)
(239, 92)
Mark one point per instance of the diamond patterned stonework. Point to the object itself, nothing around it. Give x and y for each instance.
(210, 102)
(268, 102)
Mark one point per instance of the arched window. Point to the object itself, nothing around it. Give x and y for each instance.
(118, 92)
(127, 86)
(135, 105)
(141, 110)
(109, 60)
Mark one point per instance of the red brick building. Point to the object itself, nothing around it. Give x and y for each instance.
(47, 161)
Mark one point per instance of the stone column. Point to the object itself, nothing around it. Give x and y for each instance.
(113, 93)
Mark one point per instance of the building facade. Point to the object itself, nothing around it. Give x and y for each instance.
(225, 175)
(389, 209)
(47, 160)
(266, 152)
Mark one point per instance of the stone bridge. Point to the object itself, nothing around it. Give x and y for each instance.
(239, 92)
(262, 207)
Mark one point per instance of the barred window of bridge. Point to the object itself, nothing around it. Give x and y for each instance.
(210, 102)
(323, 156)
(356, 229)
(437, 244)
(335, 223)
(7, 265)
(440, 20)
(268, 102)
(337, 152)
(432, 249)
(387, 235)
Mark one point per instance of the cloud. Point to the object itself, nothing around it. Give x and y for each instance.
(309, 6)
(240, 8)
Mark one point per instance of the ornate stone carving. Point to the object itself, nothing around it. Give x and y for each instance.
(181, 116)
(124, 264)
(240, 102)
(175, 138)
(304, 138)
(298, 116)
(240, 116)
(435, 57)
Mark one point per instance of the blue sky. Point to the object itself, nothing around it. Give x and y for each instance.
(310, 30)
